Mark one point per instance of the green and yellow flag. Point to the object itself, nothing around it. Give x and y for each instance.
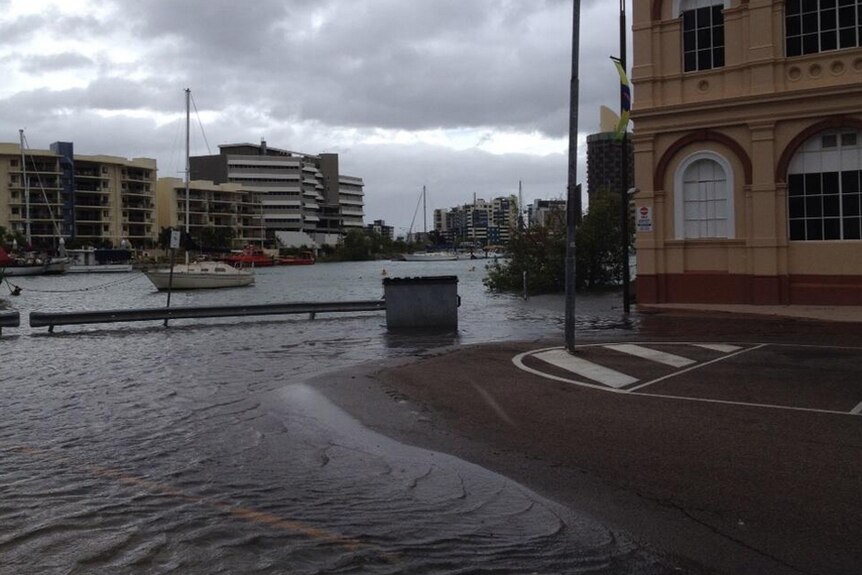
(625, 99)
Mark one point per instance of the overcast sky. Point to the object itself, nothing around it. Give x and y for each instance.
(463, 96)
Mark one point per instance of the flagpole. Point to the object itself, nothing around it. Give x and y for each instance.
(624, 171)
(572, 201)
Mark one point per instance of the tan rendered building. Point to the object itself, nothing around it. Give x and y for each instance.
(226, 208)
(91, 200)
(748, 150)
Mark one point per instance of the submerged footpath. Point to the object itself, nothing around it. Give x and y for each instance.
(735, 485)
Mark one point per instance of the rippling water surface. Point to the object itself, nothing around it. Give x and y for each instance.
(132, 448)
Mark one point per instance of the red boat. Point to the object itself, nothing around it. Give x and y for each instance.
(303, 259)
(250, 256)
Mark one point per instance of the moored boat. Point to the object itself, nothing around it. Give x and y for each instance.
(303, 259)
(91, 260)
(431, 257)
(250, 256)
(200, 275)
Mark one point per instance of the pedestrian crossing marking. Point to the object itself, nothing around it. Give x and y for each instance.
(722, 347)
(604, 375)
(652, 355)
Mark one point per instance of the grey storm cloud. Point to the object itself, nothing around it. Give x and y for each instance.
(302, 73)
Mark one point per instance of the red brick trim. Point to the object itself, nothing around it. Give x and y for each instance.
(697, 137)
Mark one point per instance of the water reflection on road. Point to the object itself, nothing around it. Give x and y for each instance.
(197, 449)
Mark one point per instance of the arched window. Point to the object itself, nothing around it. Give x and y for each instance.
(703, 192)
(813, 26)
(702, 34)
(824, 184)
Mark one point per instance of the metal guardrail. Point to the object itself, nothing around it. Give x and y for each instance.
(51, 319)
(9, 319)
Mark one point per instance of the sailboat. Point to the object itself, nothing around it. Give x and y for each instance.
(428, 256)
(198, 275)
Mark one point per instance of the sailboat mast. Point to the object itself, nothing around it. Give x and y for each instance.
(424, 214)
(188, 169)
(26, 191)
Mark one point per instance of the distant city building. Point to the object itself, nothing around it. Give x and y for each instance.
(225, 208)
(90, 200)
(604, 163)
(480, 223)
(540, 212)
(298, 192)
(379, 227)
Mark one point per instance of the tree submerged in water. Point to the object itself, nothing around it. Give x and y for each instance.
(541, 252)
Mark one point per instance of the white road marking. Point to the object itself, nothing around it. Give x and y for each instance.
(857, 410)
(564, 360)
(722, 347)
(692, 368)
(652, 355)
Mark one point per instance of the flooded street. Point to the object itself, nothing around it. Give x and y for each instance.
(132, 448)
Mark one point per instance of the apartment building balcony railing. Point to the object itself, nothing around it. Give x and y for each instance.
(85, 201)
(91, 187)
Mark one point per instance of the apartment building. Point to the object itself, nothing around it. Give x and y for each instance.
(481, 223)
(226, 210)
(748, 151)
(90, 200)
(298, 192)
(541, 212)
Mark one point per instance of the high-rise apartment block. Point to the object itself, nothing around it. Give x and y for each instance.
(297, 192)
(481, 223)
(604, 163)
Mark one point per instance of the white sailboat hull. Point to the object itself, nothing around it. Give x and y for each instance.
(197, 276)
(430, 257)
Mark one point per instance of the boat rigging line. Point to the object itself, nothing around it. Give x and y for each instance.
(16, 289)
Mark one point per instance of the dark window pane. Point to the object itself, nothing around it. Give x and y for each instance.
(832, 229)
(810, 24)
(704, 18)
(691, 62)
(846, 16)
(717, 14)
(824, 4)
(688, 41)
(809, 5)
(814, 206)
(794, 47)
(718, 57)
(830, 183)
(704, 38)
(849, 139)
(828, 20)
(847, 37)
(794, 25)
(797, 230)
(718, 36)
(812, 184)
(814, 229)
(797, 208)
(832, 206)
(810, 44)
(688, 20)
(796, 185)
(851, 205)
(704, 59)
(829, 141)
(793, 6)
(829, 41)
(850, 183)
(851, 229)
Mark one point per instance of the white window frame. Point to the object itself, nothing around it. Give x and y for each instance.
(679, 194)
(695, 4)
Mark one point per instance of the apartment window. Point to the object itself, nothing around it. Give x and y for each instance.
(703, 198)
(702, 35)
(813, 26)
(824, 189)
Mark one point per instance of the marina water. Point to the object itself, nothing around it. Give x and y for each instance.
(131, 448)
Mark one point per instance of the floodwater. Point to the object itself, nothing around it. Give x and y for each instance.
(131, 448)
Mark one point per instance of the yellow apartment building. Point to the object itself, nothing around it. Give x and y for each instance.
(91, 200)
(219, 207)
(748, 151)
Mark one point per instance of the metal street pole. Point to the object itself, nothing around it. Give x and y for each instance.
(572, 201)
(624, 171)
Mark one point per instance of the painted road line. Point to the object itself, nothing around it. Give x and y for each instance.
(606, 376)
(692, 368)
(722, 347)
(857, 410)
(652, 355)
